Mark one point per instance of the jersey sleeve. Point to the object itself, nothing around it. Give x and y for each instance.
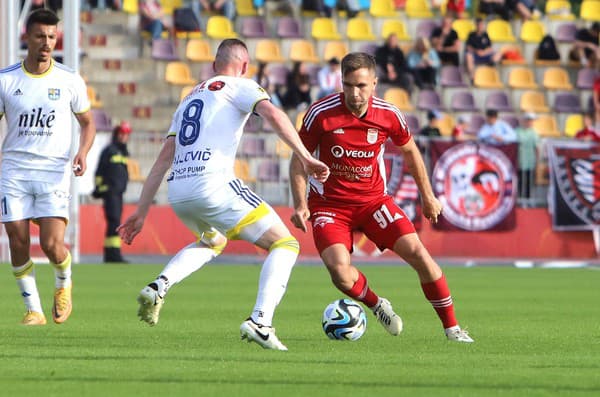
(310, 138)
(174, 127)
(400, 133)
(248, 94)
(80, 103)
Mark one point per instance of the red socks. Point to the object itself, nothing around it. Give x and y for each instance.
(438, 294)
(361, 291)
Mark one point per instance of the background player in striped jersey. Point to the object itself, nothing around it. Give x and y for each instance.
(39, 97)
(349, 131)
(200, 149)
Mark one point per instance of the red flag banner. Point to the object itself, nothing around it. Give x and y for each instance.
(574, 196)
(476, 184)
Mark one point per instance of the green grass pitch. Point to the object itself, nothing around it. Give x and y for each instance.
(537, 333)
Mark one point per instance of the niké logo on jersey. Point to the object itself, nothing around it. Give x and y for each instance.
(37, 118)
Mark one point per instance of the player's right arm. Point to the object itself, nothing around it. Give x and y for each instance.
(298, 184)
(133, 225)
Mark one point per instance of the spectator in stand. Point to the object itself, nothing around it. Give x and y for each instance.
(424, 63)
(495, 7)
(455, 8)
(459, 130)
(262, 78)
(268, 8)
(496, 131)
(528, 139)
(431, 130)
(153, 19)
(445, 41)
(524, 8)
(585, 49)
(297, 95)
(330, 78)
(479, 50)
(392, 64)
(590, 132)
(222, 7)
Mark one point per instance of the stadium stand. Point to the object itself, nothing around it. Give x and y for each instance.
(573, 124)
(487, 77)
(302, 50)
(417, 9)
(268, 50)
(559, 10)
(399, 97)
(359, 29)
(533, 101)
(500, 31)
(219, 27)
(546, 126)
(198, 50)
(429, 100)
(178, 73)
(556, 78)
(590, 10)
(463, 101)
(164, 50)
(398, 27)
(522, 78)
(567, 102)
(334, 49)
(463, 27)
(289, 28)
(324, 29)
(383, 9)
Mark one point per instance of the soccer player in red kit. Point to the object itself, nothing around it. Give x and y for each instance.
(348, 130)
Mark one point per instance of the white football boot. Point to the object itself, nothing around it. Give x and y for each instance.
(386, 317)
(150, 304)
(457, 334)
(261, 334)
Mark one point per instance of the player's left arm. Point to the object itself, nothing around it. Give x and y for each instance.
(432, 207)
(86, 139)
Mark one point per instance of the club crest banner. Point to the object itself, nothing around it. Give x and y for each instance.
(476, 184)
(574, 194)
(402, 187)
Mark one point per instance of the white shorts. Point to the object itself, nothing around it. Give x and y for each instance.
(33, 199)
(232, 209)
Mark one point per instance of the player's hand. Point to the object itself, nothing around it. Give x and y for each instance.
(299, 218)
(78, 166)
(432, 209)
(131, 228)
(317, 169)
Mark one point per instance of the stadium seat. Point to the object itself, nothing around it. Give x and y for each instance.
(412, 121)
(446, 124)
(559, 10)
(324, 29)
(130, 7)
(303, 51)
(268, 50)
(220, 27)
(487, 77)
(500, 31)
(102, 120)
(253, 146)
(268, 170)
(278, 74)
(299, 117)
(510, 119)
(359, 29)
(590, 10)
(546, 126)
(198, 50)
(282, 149)
(522, 78)
(498, 100)
(585, 78)
(565, 32)
(463, 27)
(573, 124)
(134, 171)
(178, 73)
(169, 5)
(463, 101)
(383, 9)
(164, 50)
(451, 76)
(254, 28)
(398, 97)
(425, 27)
(533, 101)
(428, 100)
(532, 32)
(289, 28)
(396, 26)
(567, 102)
(95, 101)
(556, 78)
(245, 8)
(334, 49)
(476, 120)
(241, 169)
(417, 9)
(185, 91)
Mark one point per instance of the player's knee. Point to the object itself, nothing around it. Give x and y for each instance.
(215, 241)
(289, 243)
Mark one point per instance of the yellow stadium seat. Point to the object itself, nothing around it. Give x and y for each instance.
(303, 51)
(559, 10)
(334, 49)
(197, 50)
(282, 149)
(500, 31)
(446, 124)
(463, 27)
(299, 117)
(383, 9)
(546, 126)
(590, 10)
(324, 29)
(532, 31)
(556, 78)
(169, 5)
(533, 101)
(395, 26)
(130, 7)
(359, 29)
(573, 124)
(178, 73)
(417, 9)
(268, 50)
(398, 97)
(134, 171)
(185, 91)
(522, 78)
(487, 77)
(245, 8)
(95, 101)
(241, 169)
(220, 27)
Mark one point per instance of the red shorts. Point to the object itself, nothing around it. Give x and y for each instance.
(382, 221)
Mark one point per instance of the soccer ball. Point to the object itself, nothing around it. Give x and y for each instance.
(344, 319)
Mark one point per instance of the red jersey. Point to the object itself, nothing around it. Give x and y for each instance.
(352, 147)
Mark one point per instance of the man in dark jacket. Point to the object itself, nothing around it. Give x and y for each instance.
(391, 64)
(111, 181)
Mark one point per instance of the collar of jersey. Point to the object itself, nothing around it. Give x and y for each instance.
(37, 76)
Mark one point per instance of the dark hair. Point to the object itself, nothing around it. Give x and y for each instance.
(491, 113)
(42, 16)
(358, 60)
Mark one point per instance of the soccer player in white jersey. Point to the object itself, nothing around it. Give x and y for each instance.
(38, 97)
(200, 150)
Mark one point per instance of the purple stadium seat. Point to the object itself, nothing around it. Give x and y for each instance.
(585, 78)
(429, 99)
(102, 120)
(511, 119)
(565, 33)
(164, 50)
(369, 48)
(253, 146)
(498, 100)
(289, 28)
(254, 28)
(451, 76)
(425, 27)
(278, 74)
(567, 102)
(413, 122)
(475, 123)
(463, 101)
(268, 171)
(253, 124)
